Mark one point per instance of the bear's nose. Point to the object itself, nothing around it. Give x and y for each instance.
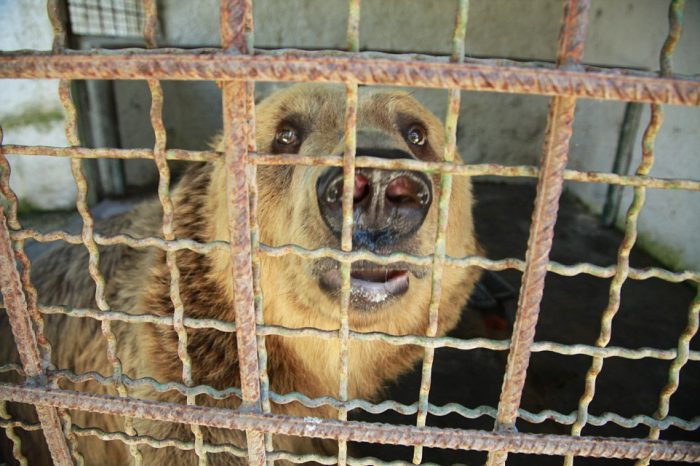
(388, 205)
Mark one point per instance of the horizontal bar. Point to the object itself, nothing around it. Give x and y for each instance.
(110, 153)
(377, 408)
(361, 68)
(189, 445)
(208, 447)
(430, 342)
(474, 170)
(430, 437)
(278, 251)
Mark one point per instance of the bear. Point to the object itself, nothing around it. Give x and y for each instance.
(393, 211)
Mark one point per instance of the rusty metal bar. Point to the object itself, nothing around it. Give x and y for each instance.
(166, 202)
(278, 251)
(30, 292)
(675, 19)
(468, 413)
(362, 68)
(87, 238)
(674, 373)
(451, 119)
(346, 246)
(211, 448)
(56, 18)
(630, 233)
(549, 188)
(474, 170)
(356, 431)
(347, 205)
(434, 342)
(27, 347)
(237, 36)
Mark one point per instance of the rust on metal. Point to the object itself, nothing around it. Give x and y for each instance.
(438, 263)
(472, 170)
(549, 187)
(25, 340)
(237, 36)
(362, 68)
(349, 152)
(356, 431)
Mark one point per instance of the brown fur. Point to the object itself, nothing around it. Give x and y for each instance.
(138, 281)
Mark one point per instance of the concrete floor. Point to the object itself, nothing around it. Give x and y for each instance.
(653, 314)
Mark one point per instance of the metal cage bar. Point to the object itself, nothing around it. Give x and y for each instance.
(277, 251)
(156, 115)
(87, 234)
(237, 36)
(363, 68)
(474, 170)
(25, 339)
(349, 153)
(473, 413)
(630, 236)
(359, 431)
(549, 187)
(438, 263)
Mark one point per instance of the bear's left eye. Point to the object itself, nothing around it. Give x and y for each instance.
(416, 135)
(287, 136)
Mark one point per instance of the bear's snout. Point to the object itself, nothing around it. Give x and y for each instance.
(388, 205)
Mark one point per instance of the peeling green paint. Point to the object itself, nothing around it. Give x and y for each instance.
(37, 117)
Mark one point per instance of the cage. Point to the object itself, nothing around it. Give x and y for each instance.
(578, 393)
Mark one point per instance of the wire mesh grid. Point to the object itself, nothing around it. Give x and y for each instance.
(116, 18)
(237, 65)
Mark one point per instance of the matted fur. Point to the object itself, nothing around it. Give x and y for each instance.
(138, 281)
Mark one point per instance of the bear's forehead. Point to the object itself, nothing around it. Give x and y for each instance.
(327, 106)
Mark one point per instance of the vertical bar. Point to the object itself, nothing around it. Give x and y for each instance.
(630, 234)
(237, 34)
(25, 339)
(87, 235)
(258, 297)
(31, 294)
(354, 25)
(12, 435)
(549, 187)
(168, 228)
(675, 18)
(451, 119)
(349, 149)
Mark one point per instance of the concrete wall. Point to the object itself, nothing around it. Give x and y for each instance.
(31, 112)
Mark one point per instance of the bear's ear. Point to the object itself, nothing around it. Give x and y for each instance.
(217, 142)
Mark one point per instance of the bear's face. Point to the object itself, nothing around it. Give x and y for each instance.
(393, 211)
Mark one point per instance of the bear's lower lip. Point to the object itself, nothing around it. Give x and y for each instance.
(368, 286)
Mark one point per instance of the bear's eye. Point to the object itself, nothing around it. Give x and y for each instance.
(416, 135)
(287, 136)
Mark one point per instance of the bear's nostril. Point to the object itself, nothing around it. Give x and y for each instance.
(404, 191)
(361, 188)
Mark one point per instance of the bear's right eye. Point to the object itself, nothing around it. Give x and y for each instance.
(287, 140)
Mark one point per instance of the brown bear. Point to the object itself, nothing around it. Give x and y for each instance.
(393, 211)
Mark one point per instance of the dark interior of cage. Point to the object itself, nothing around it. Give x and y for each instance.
(590, 228)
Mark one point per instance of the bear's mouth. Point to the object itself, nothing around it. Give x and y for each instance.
(369, 286)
